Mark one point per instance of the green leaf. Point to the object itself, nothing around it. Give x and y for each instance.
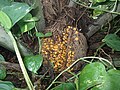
(26, 26)
(97, 1)
(39, 34)
(16, 11)
(93, 74)
(5, 20)
(113, 41)
(33, 63)
(95, 77)
(114, 78)
(4, 3)
(114, 0)
(6, 85)
(97, 12)
(2, 72)
(48, 34)
(111, 81)
(65, 86)
(35, 18)
(2, 58)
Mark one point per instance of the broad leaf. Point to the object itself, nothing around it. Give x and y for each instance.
(5, 20)
(2, 72)
(6, 85)
(93, 74)
(114, 78)
(95, 77)
(113, 41)
(39, 34)
(65, 86)
(97, 12)
(111, 81)
(27, 23)
(94, 1)
(33, 63)
(4, 3)
(114, 0)
(48, 34)
(16, 11)
(2, 58)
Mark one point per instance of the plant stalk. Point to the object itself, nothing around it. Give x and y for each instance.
(39, 41)
(24, 71)
(80, 59)
(88, 7)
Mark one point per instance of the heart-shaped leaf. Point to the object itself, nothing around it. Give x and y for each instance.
(65, 86)
(114, 77)
(97, 12)
(26, 26)
(39, 34)
(5, 20)
(6, 85)
(16, 11)
(2, 72)
(4, 3)
(33, 63)
(93, 74)
(48, 34)
(95, 1)
(95, 77)
(2, 58)
(113, 41)
(111, 81)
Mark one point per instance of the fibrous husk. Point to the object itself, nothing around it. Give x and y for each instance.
(65, 45)
(53, 8)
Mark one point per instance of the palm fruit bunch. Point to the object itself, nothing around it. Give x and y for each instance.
(64, 48)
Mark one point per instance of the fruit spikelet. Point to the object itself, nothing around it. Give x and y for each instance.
(60, 51)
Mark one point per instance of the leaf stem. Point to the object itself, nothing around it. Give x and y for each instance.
(62, 73)
(112, 12)
(24, 71)
(82, 59)
(39, 42)
(97, 51)
(117, 31)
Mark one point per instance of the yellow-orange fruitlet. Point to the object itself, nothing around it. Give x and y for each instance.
(59, 51)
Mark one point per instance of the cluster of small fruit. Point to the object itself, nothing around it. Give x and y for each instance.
(60, 52)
